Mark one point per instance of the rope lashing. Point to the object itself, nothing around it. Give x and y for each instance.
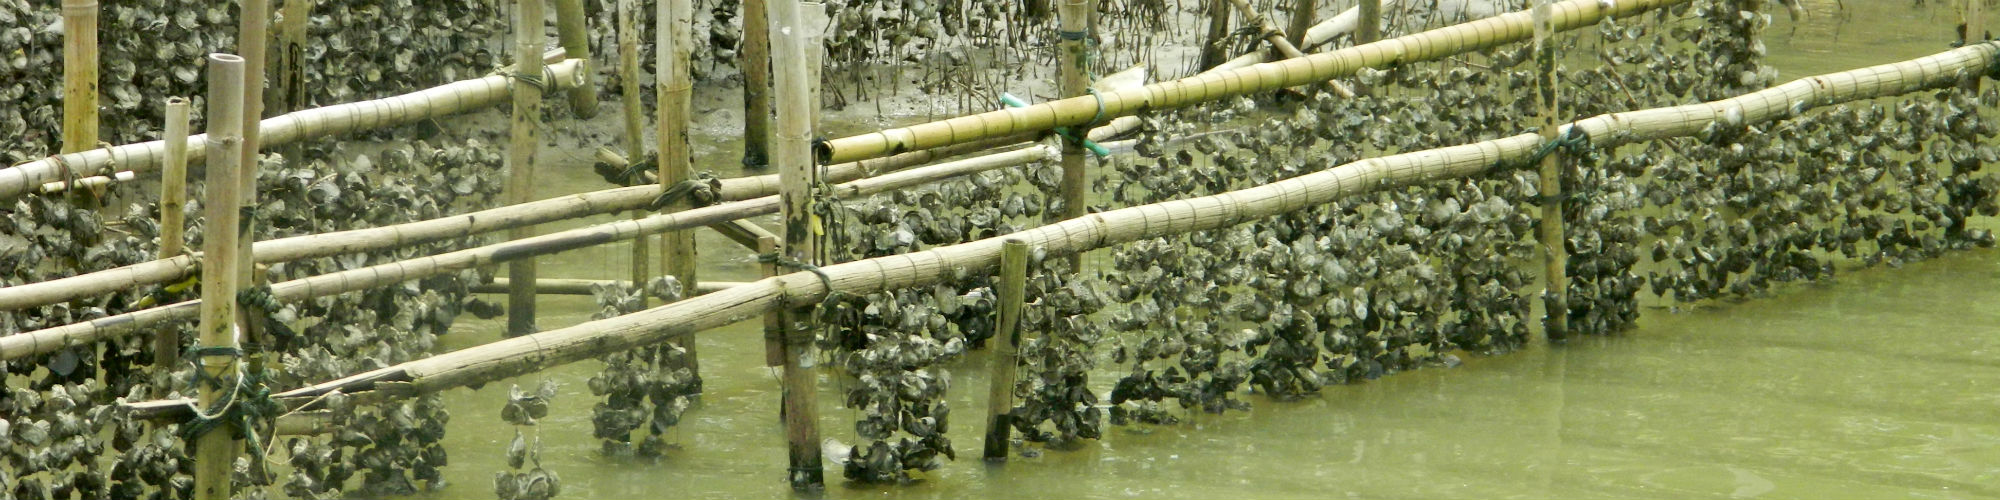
(787, 262)
(1573, 141)
(540, 83)
(699, 191)
(1068, 133)
(246, 403)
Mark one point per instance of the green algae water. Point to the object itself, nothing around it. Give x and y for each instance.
(1882, 382)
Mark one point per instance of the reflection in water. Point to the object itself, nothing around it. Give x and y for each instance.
(1880, 384)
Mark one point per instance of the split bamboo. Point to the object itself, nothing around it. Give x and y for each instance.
(635, 121)
(1368, 26)
(525, 118)
(215, 452)
(1075, 78)
(1555, 282)
(566, 286)
(1216, 47)
(1426, 46)
(675, 60)
(518, 356)
(173, 202)
(1302, 21)
(756, 68)
(1006, 352)
(798, 185)
(445, 100)
(79, 75)
(574, 32)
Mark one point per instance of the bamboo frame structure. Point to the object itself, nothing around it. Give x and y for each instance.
(1426, 46)
(435, 102)
(1555, 281)
(519, 356)
(756, 66)
(525, 140)
(798, 186)
(573, 29)
(215, 451)
(80, 79)
(1013, 280)
(568, 286)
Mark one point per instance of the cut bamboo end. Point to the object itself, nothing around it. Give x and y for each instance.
(215, 451)
(1006, 340)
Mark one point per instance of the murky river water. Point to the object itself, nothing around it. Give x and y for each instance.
(1881, 383)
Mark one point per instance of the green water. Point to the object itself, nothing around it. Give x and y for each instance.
(1881, 383)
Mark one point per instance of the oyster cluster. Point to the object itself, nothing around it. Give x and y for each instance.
(646, 388)
(536, 483)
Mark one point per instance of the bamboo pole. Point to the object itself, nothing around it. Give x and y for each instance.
(574, 32)
(1302, 21)
(799, 179)
(1368, 27)
(813, 13)
(1213, 52)
(1555, 283)
(215, 452)
(518, 356)
(1013, 282)
(675, 46)
(445, 100)
(1316, 68)
(756, 66)
(774, 322)
(635, 121)
(1074, 15)
(79, 75)
(173, 202)
(252, 39)
(1270, 34)
(565, 286)
(288, 74)
(525, 118)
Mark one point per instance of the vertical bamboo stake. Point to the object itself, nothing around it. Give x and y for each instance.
(1556, 283)
(287, 74)
(813, 14)
(797, 179)
(215, 452)
(575, 35)
(1215, 51)
(252, 38)
(1000, 391)
(521, 157)
(774, 323)
(635, 122)
(674, 45)
(1075, 18)
(1368, 28)
(173, 202)
(756, 83)
(79, 75)
(1302, 20)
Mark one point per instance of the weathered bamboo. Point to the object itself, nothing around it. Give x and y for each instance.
(1368, 26)
(756, 66)
(526, 139)
(813, 14)
(1006, 341)
(799, 180)
(173, 203)
(445, 100)
(743, 232)
(49, 339)
(675, 60)
(1270, 33)
(1215, 48)
(518, 356)
(287, 72)
(635, 121)
(252, 40)
(774, 322)
(574, 32)
(1316, 68)
(1074, 15)
(1554, 277)
(215, 451)
(80, 81)
(1302, 21)
(566, 286)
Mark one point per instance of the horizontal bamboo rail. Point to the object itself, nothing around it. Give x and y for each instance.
(1210, 86)
(527, 354)
(567, 286)
(452, 98)
(50, 339)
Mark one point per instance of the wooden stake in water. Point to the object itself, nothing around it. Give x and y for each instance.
(635, 123)
(575, 35)
(1074, 15)
(1214, 51)
(798, 176)
(756, 83)
(1368, 28)
(1555, 280)
(215, 452)
(173, 203)
(526, 116)
(1006, 346)
(79, 75)
(675, 45)
(1302, 20)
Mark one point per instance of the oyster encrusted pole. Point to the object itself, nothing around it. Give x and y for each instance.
(1006, 350)
(215, 451)
(635, 122)
(173, 202)
(79, 101)
(673, 52)
(1555, 282)
(574, 31)
(798, 179)
(1074, 16)
(525, 118)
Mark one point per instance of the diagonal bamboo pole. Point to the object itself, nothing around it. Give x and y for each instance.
(1426, 46)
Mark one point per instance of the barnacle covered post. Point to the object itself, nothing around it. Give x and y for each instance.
(1215, 48)
(173, 200)
(215, 450)
(1302, 20)
(756, 66)
(1074, 16)
(1006, 354)
(521, 156)
(635, 121)
(1368, 24)
(798, 179)
(1555, 286)
(673, 54)
(575, 36)
(79, 100)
